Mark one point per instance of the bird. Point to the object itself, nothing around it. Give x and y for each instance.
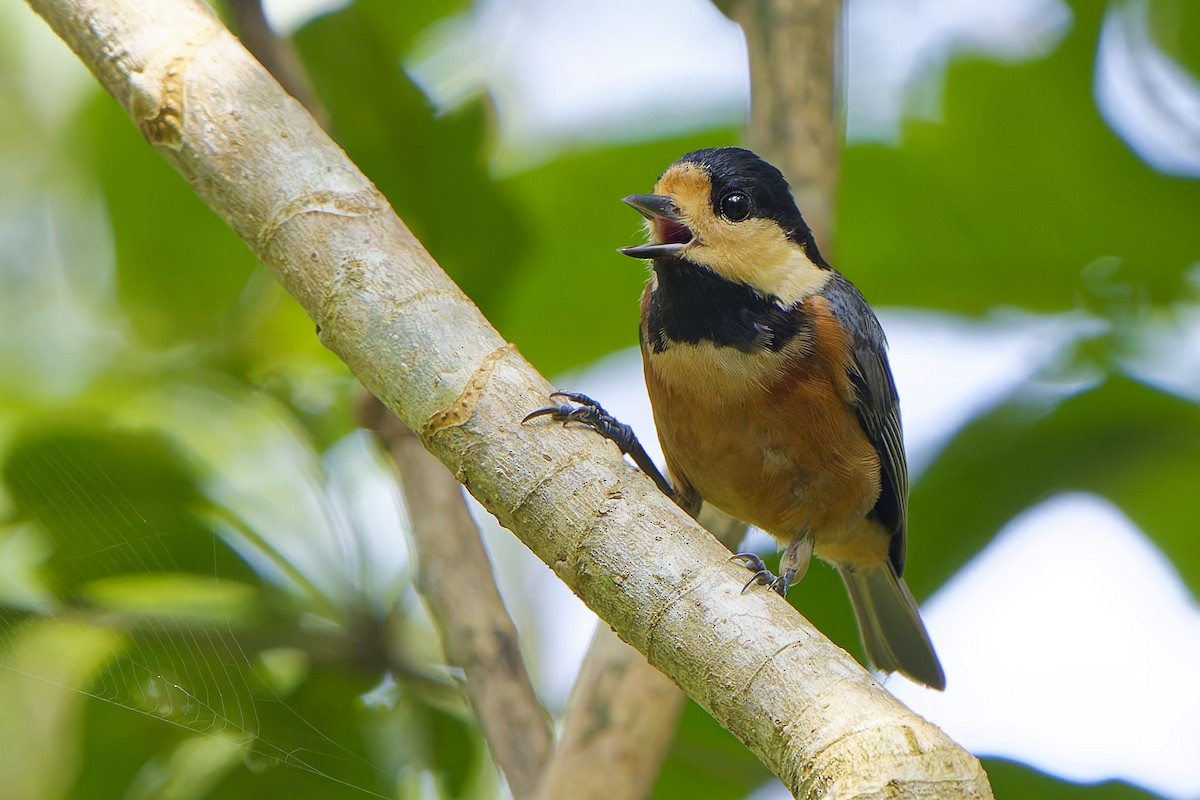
(771, 391)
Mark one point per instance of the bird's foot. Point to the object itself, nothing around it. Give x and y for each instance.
(763, 576)
(583, 410)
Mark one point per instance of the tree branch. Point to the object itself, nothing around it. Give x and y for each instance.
(603, 753)
(795, 119)
(276, 54)
(801, 704)
(623, 713)
(455, 577)
(620, 721)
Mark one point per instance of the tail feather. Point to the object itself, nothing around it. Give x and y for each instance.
(890, 625)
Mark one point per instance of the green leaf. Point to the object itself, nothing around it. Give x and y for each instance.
(1175, 28)
(229, 730)
(189, 770)
(433, 169)
(180, 269)
(194, 600)
(1010, 779)
(400, 24)
(112, 502)
(1122, 440)
(455, 748)
(1012, 194)
(41, 664)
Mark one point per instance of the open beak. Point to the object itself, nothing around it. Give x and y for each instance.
(670, 236)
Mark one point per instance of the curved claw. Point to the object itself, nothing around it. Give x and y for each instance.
(556, 411)
(590, 414)
(750, 561)
(587, 412)
(762, 576)
(579, 397)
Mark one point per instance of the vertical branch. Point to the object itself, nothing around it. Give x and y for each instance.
(622, 715)
(455, 578)
(619, 724)
(795, 116)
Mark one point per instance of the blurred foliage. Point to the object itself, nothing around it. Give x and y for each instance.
(145, 200)
(192, 602)
(1175, 27)
(1010, 779)
(706, 761)
(433, 169)
(128, 483)
(1143, 459)
(1018, 189)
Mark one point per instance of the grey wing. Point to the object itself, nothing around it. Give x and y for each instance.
(878, 408)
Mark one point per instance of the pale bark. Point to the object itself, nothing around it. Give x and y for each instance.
(454, 572)
(623, 713)
(800, 703)
(277, 54)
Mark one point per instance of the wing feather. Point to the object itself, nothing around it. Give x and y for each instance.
(878, 408)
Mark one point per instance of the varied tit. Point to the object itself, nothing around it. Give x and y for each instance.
(772, 394)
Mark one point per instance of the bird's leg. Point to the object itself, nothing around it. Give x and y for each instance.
(585, 411)
(794, 563)
(792, 566)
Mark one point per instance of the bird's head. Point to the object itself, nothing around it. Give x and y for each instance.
(730, 212)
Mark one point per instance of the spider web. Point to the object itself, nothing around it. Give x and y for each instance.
(192, 623)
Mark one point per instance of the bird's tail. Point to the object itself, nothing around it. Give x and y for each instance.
(890, 625)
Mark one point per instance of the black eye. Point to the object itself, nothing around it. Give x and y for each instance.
(735, 206)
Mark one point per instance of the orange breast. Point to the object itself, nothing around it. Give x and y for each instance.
(769, 438)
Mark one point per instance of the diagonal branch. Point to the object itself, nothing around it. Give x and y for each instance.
(277, 54)
(803, 706)
(623, 714)
(455, 576)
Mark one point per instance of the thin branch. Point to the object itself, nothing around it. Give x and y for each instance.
(455, 578)
(801, 704)
(795, 116)
(620, 721)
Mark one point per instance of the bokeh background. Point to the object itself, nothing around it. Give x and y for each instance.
(205, 590)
